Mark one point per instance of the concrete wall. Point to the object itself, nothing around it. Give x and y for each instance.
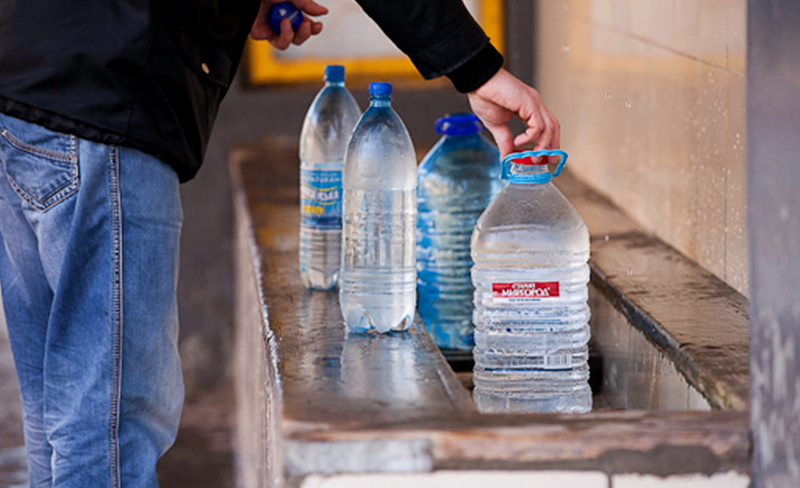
(651, 99)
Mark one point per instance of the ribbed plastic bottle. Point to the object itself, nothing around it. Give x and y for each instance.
(377, 289)
(455, 182)
(323, 139)
(531, 250)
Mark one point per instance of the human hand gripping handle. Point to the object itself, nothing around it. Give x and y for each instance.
(281, 40)
(502, 98)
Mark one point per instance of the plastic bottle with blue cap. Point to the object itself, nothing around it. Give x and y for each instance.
(531, 273)
(323, 139)
(456, 180)
(377, 288)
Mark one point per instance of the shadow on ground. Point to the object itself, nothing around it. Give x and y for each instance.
(203, 452)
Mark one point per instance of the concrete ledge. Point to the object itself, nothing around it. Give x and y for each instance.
(694, 318)
(316, 401)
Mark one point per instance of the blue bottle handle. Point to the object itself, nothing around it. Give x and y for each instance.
(508, 160)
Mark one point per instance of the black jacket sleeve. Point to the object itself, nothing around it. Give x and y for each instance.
(440, 37)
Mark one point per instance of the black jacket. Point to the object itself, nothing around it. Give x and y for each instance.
(150, 74)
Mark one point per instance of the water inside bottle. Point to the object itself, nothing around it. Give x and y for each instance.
(381, 277)
(456, 181)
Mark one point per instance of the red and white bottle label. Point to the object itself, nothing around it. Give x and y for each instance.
(523, 291)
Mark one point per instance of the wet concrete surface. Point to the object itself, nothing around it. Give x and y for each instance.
(202, 455)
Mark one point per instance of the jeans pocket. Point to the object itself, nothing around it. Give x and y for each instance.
(41, 165)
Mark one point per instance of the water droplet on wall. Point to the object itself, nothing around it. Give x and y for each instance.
(784, 212)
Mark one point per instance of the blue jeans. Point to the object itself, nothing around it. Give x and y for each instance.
(88, 271)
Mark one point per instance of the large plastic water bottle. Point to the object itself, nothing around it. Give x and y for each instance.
(455, 182)
(323, 140)
(377, 289)
(531, 317)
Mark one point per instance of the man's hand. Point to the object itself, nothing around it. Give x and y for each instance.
(503, 97)
(281, 40)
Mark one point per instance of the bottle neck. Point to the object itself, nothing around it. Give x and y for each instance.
(380, 101)
(528, 174)
(465, 135)
(334, 83)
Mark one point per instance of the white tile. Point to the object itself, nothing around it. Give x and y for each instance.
(724, 480)
(463, 479)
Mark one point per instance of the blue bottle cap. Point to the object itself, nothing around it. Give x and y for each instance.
(334, 73)
(283, 10)
(380, 88)
(459, 125)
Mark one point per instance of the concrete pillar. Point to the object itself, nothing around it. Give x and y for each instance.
(773, 168)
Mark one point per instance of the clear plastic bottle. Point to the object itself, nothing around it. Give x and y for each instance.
(531, 251)
(323, 139)
(377, 289)
(455, 182)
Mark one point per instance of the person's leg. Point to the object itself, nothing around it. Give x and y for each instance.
(112, 389)
(27, 295)
(152, 385)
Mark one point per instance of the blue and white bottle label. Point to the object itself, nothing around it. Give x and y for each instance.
(321, 198)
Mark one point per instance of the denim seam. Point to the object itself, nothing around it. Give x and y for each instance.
(38, 151)
(59, 194)
(116, 294)
(53, 200)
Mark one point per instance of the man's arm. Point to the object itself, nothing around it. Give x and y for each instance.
(441, 38)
